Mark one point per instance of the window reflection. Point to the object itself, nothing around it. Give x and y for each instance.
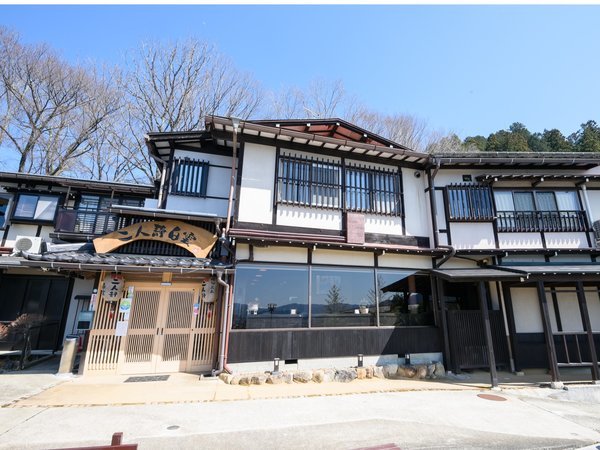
(404, 299)
(270, 297)
(343, 298)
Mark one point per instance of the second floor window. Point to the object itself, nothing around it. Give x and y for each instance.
(322, 183)
(470, 203)
(523, 211)
(36, 207)
(309, 182)
(189, 177)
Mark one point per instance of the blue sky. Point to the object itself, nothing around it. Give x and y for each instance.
(467, 69)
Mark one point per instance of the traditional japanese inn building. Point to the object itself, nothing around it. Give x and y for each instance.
(311, 242)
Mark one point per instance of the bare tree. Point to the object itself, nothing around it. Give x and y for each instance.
(172, 87)
(52, 108)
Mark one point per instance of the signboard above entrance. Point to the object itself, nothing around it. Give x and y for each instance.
(194, 239)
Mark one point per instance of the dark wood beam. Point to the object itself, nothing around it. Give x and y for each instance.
(587, 327)
(550, 348)
(442, 299)
(487, 330)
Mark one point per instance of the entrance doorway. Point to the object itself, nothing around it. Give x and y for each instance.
(166, 333)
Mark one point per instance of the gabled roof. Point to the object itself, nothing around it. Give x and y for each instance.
(334, 128)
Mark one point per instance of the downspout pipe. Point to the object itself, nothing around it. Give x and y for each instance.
(222, 366)
(236, 125)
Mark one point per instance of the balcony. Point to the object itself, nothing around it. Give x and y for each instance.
(536, 221)
(89, 223)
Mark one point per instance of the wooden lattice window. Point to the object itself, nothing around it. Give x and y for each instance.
(470, 202)
(373, 191)
(190, 177)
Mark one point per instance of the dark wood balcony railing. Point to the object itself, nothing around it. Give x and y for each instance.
(89, 222)
(532, 221)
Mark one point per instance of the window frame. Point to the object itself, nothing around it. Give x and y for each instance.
(9, 202)
(195, 177)
(22, 219)
(471, 206)
(298, 183)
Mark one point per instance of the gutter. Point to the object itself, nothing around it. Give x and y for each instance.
(433, 213)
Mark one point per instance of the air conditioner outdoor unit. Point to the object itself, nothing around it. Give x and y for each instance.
(29, 244)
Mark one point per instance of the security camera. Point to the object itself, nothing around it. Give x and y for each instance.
(417, 174)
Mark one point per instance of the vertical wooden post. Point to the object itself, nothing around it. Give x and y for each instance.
(587, 327)
(117, 439)
(552, 361)
(487, 330)
(440, 293)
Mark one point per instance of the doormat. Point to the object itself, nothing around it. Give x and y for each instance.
(147, 378)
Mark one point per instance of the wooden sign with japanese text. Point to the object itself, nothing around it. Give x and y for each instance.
(194, 239)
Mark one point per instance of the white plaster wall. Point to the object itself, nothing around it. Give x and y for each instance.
(594, 198)
(566, 240)
(394, 260)
(569, 310)
(494, 295)
(593, 303)
(297, 216)
(520, 240)
(256, 192)
(342, 258)
(459, 263)
(208, 206)
(217, 186)
(472, 235)
(441, 210)
(80, 287)
(442, 239)
(570, 259)
(383, 224)
(242, 251)
(21, 229)
(416, 204)
(281, 254)
(527, 310)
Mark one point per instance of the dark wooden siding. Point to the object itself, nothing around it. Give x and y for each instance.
(530, 350)
(247, 346)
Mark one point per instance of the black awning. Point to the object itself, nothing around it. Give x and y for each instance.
(479, 274)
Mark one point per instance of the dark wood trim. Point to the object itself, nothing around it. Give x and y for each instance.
(483, 301)
(212, 149)
(276, 185)
(287, 229)
(287, 145)
(550, 348)
(556, 308)
(402, 211)
(587, 327)
(444, 315)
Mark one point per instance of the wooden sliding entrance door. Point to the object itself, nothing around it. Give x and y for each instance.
(163, 330)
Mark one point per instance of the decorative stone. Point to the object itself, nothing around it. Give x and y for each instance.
(275, 379)
(369, 370)
(440, 372)
(389, 370)
(421, 371)
(318, 376)
(303, 376)
(345, 375)
(288, 377)
(258, 379)
(235, 379)
(406, 371)
(245, 381)
(361, 373)
(378, 372)
(225, 377)
(430, 370)
(328, 375)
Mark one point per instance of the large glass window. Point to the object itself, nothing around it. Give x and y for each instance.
(36, 207)
(524, 211)
(343, 297)
(404, 298)
(270, 297)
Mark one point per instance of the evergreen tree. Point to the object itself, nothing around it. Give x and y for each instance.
(334, 299)
(587, 139)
